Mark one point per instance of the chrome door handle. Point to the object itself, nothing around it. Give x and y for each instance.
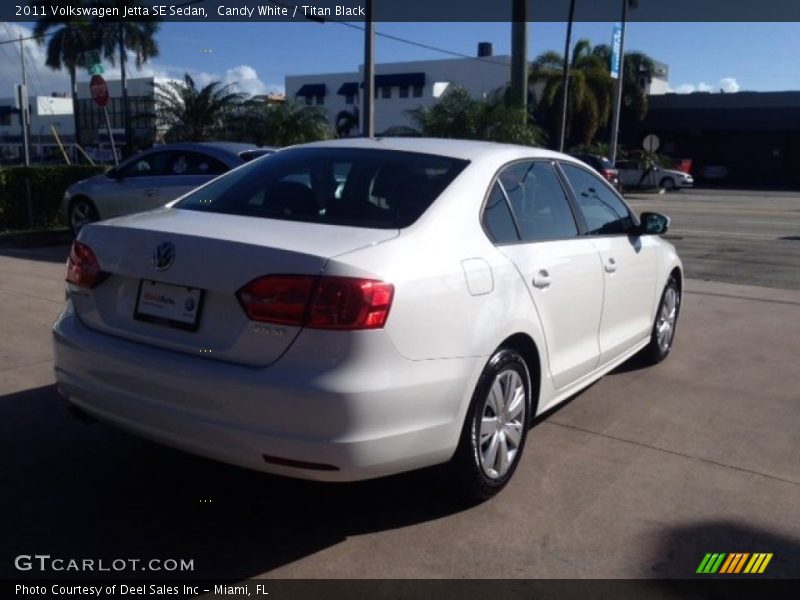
(542, 279)
(611, 265)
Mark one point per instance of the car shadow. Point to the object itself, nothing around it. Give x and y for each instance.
(51, 254)
(677, 551)
(78, 490)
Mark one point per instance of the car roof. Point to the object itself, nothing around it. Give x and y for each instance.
(453, 148)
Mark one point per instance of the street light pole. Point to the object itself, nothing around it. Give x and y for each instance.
(368, 112)
(519, 54)
(24, 110)
(612, 150)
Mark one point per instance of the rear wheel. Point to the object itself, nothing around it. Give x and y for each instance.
(81, 213)
(496, 427)
(664, 326)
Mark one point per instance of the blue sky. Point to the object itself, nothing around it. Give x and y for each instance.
(743, 56)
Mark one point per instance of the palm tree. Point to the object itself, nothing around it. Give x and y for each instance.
(283, 123)
(589, 94)
(458, 115)
(189, 113)
(636, 67)
(67, 40)
(121, 36)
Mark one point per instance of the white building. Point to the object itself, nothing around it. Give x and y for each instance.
(46, 113)
(400, 87)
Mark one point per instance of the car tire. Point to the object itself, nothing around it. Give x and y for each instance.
(81, 212)
(496, 427)
(667, 183)
(666, 320)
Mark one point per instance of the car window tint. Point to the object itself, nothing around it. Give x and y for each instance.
(342, 186)
(604, 212)
(497, 219)
(146, 165)
(539, 202)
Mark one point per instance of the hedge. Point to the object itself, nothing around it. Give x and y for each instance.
(47, 185)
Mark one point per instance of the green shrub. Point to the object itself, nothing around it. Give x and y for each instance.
(47, 185)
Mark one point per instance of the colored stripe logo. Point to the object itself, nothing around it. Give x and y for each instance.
(734, 563)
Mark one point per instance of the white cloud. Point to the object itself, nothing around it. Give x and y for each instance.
(729, 85)
(686, 88)
(44, 81)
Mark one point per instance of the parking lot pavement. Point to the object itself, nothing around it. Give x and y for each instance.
(638, 476)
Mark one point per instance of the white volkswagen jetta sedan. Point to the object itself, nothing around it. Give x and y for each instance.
(350, 309)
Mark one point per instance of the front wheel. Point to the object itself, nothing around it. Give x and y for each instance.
(663, 332)
(496, 426)
(667, 183)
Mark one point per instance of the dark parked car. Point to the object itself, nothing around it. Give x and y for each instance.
(603, 166)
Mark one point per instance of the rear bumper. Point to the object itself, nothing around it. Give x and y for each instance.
(333, 408)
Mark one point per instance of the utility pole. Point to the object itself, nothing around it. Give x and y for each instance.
(24, 111)
(565, 78)
(124, 85)
(612, 150)
(24, 119)
(368, 112)
(519, 54)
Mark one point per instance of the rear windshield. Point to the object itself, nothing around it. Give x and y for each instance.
(341, 186)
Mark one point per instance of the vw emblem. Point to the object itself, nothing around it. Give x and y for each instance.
(164, 256)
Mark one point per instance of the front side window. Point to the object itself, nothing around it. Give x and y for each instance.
(540, 205)
(604, 212)
(338, 186)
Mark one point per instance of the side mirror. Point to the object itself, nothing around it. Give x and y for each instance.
(654, 223)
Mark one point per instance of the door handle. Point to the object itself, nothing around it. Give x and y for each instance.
(611, 265)
(542, 279)
(151, 192)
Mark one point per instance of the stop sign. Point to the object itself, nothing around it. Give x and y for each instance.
(99, 90)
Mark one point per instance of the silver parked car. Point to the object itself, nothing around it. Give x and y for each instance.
(152, 178)
(631, 175)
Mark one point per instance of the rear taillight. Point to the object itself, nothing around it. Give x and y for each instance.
(318, 302)
(277, 298)
(610, 174)
(83, 268)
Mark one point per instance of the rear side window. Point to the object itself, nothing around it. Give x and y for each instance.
(605, 213)
(497, 219)
(339, 186)
(539, 202)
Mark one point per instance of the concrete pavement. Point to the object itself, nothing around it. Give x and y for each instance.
(638, 476)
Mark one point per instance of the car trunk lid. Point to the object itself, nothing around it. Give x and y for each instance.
(213, 256)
